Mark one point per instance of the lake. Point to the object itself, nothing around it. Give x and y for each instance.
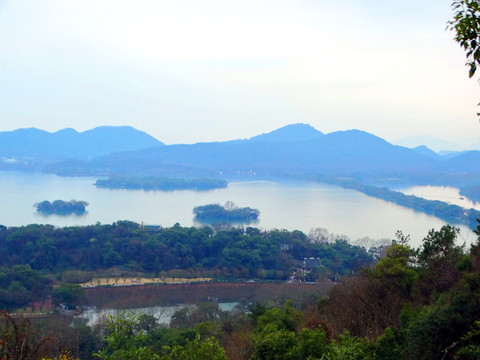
(291, 206)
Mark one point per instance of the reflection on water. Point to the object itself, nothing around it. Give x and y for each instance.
(293, 206)
(163, 314)
(219, 223)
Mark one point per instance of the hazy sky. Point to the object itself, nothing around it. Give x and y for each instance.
(203, 70)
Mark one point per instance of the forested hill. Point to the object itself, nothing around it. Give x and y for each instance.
(126, 247)
(343, 153)
(130, 245)
(38, 145)
(293, 132)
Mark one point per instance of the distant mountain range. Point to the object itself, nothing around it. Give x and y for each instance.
(37, 145)
(432, 143)
(346, 153)
(440, 146)
(296, 150)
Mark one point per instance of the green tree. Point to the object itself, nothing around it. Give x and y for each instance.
(348, 347)
(208, 349)
(286, 318)
(388, 346)
(146, 322)
(312, 343)
(438, 257)
(466, 24)
(69, 294)
(432, 332)
(470, 344)
(440, 245)
(123, 342)
(395, 271)
(274, 336)
(276, 345)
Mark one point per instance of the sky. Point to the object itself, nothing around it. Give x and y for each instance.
(188, 71)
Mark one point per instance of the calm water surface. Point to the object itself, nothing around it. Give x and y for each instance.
(163, 314)
(299, 206)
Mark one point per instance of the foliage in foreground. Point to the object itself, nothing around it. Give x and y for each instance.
(414, 304)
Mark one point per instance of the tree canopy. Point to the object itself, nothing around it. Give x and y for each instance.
(61, 207)
(466, 24)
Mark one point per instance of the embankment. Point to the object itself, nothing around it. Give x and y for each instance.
(170, 294)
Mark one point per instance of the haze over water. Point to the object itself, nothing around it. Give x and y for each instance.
(293, 206)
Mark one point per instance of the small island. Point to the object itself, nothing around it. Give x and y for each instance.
(60, 207)
(228, 213)
(160, 183)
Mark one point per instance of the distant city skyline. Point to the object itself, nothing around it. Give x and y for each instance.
(198, 71)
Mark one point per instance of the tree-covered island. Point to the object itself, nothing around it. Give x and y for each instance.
(226, 213)
(61, 207)
(160, 183)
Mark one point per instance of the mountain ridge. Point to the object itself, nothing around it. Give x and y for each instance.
(347, 153)
(289, 133)
(41, 145)
(296, 150)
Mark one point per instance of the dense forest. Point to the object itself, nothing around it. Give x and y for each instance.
(412, 304)
(77, 254)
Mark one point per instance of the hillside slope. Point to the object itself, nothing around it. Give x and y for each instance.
(38, 145)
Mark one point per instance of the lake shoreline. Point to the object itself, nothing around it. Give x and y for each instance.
(292, 204)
